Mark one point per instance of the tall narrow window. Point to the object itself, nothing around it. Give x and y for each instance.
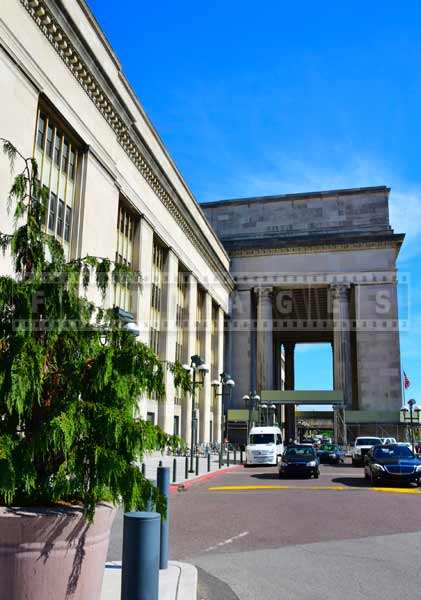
(57, 148)
(65, 156)
(157, 279)
(50, 135)
(67, 224)
(41, 131)
(58, 156)
(124, 253)
(52, 212)
(60, 218)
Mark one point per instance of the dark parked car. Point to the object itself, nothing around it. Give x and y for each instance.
(392, 462)
(299, 459)
(331, 453)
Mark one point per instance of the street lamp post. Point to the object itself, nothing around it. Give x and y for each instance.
(251, 399)
(273, 408)
(227, 384)
(411, 420)
(197, 365)
(265, 407)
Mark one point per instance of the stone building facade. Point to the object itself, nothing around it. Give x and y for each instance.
(280, 270)
(114, 191)
(316, 267)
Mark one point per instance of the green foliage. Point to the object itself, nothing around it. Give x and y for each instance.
(70, 375)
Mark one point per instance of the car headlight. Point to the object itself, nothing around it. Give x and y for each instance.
(357, 450)
(332, 455)
(377, 467)
(312, 463)
(418, 468)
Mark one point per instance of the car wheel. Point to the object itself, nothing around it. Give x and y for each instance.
(366, 475)
(280, 475)
(316, 474)
(354, 464)
(372, 478)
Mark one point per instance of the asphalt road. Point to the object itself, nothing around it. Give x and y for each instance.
(328, 538)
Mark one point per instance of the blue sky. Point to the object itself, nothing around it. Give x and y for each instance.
(276, 97)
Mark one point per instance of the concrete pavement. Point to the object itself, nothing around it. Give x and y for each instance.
(343, 541)
(360, 569)
(178, 582)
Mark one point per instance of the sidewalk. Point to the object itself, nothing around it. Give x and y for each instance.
(152, 461)
(178, 582)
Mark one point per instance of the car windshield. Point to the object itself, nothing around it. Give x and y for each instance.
(368, 442)
(262, 438)
(299, 451)
(393, 452)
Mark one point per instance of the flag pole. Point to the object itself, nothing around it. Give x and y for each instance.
(403, 387)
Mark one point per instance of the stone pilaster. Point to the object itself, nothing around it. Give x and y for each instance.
(217, 406)
(191, 312)
(378, 369)
(264, 336)
(168, 338)
(242, 350)
(206, 389)
(342, 366)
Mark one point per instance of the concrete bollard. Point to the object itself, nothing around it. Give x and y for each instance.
(197, 464)
(228, 457)
(163, 483)
(174, 470)
(241, 456)
(235, 456)
(140, 568)
(209, 460)
(186, 468)
(220, 459)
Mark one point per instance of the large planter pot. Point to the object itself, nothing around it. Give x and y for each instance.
(53, 553)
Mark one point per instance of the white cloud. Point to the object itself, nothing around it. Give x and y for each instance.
(283, 175)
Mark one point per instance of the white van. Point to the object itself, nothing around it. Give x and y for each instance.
(264, 447)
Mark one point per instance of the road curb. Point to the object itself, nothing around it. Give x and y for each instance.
(187, 581)
(177, 582)
(188, 483)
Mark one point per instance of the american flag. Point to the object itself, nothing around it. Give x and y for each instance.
(406, 381)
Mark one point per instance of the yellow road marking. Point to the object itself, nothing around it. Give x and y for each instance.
(395, 490)
(337, 488)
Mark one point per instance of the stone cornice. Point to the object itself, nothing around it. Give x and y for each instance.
(312, 249)
(121, 122)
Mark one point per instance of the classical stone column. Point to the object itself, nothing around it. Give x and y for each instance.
(342, 366)
(289, 348)
(242, 351)
(217, 406)
(264, 337)
(277, 372)
(167, 339)
(191, 313)
(206, 390)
